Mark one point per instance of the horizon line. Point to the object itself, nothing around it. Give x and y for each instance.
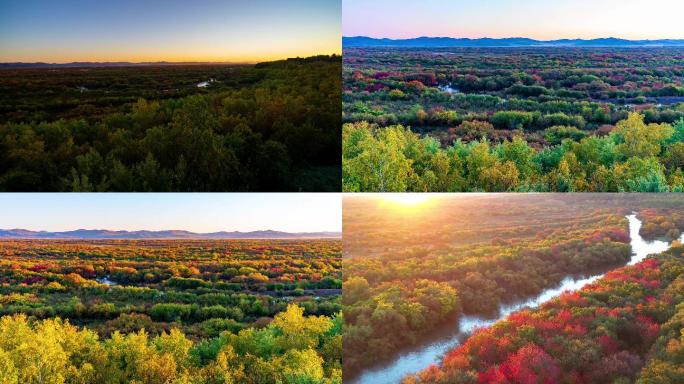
(163, 230)
(268, 234)
(511, 37)
(246, 62)
(136, 62)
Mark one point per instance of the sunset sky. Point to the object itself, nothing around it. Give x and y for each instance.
(169, 30)
(538, 19)
(198, 212)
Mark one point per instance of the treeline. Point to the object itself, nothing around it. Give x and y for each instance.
(635, 156)
(94, 92)
(291, 349)
(275, 126)
(604, 333)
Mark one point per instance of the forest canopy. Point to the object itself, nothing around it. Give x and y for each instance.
(634, 157)
(170, 311)
(513, 119)
(626, 327)
(269, 127)
(411, 271)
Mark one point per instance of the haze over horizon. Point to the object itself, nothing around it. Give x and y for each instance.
(503, 38)
(534, 19)
(175, 31)
(168, 234)
(194, 212)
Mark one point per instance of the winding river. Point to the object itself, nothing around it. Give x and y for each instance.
(419, 357)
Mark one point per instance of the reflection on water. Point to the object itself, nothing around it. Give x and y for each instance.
(448, 88)
(205, 84)
(421, 356)
(105, 280)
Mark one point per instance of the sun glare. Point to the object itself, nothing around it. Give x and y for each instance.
(406, 198)
(407, 202)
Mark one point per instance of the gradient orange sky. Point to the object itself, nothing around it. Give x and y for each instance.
(171, 30)
(537, 19)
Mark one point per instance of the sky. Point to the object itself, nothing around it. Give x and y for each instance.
(60, 31)
(538, 19)
(197, 212)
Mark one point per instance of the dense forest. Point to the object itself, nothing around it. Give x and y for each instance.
(170, 311)
(627, 327)
(665, 223)
(411, 269)
(270, 126)
(489, 119)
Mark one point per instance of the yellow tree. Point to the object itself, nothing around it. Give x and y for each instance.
(301, 366)
(375, 161)
(641, 139)
(300, 332)
(8, 372)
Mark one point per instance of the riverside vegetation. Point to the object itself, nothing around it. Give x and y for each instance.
(403, 279)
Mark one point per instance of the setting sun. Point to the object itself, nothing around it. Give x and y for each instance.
(407, 202)
(406, 198)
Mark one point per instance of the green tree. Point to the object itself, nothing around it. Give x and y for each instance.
(379, 163)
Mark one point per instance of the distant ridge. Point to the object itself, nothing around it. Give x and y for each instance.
(446, 42)
(166, 234)
(93, 64)
(105, 64)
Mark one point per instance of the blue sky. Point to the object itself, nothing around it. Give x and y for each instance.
(198, 212)
(540, 19)
(172, 30)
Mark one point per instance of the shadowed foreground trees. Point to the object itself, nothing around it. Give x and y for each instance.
(273, 126)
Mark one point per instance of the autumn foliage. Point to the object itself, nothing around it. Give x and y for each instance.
(604, 333)
(408, 272)
(292, 349)
(510, 119)
(170, 311)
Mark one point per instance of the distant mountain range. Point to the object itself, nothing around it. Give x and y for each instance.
(168, 234)
(94, 64)
(446, 42)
